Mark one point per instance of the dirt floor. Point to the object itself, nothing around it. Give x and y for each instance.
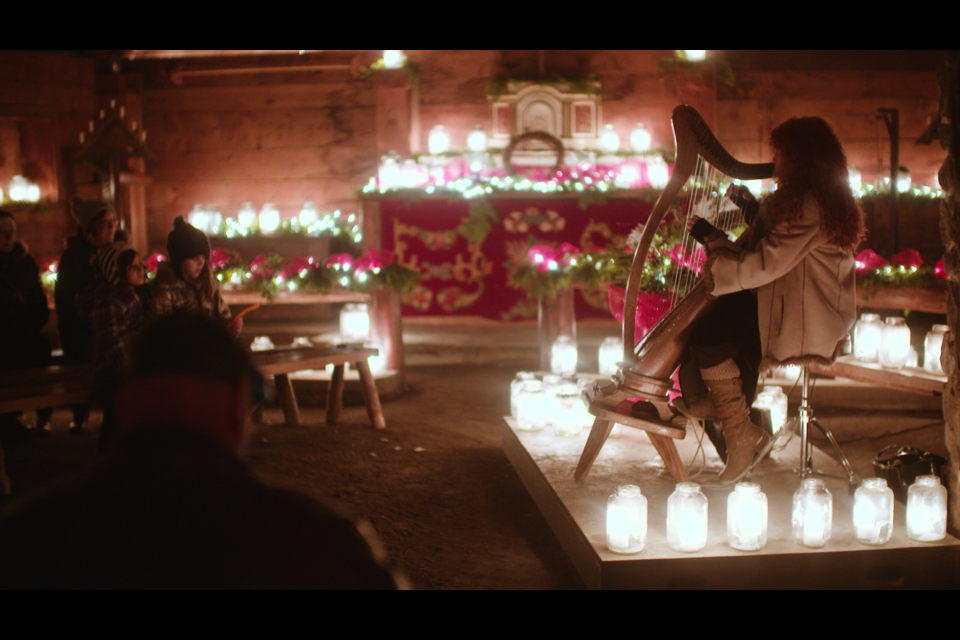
(435, 484)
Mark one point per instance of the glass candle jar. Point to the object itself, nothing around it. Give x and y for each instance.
(563, 356)
(531, 406)
(515, 386)
(583, 414)
(747, 517)
(932, 346)
(866, 340)
(687, 518)
(873, 512)
(566, 420)
(812, 514)
(927, 510)
(627, 520)
(894, 343)
(355, 322)
(611, 351)
(773, 398)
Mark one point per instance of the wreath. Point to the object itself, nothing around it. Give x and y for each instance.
(539, 136)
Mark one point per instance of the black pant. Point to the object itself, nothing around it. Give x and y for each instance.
(729, 330)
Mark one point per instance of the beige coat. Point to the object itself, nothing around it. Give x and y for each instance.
(805, 286)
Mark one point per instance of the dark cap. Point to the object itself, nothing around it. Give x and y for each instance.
(186, 241)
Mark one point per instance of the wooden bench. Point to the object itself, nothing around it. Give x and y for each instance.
(912, 379)
(281, 362)
(55, 386)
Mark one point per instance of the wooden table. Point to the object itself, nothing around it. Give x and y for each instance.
(912, 379)
(54, 386)
(281, 362)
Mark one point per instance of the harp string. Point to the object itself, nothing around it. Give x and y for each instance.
(705, 198)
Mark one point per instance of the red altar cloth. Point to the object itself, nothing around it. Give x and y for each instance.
(461, 277)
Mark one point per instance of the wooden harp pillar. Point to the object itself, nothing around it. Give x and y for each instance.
(647, 368)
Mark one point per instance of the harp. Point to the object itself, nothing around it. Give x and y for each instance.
(647, 369)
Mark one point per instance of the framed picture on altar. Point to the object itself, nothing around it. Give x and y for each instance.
(583, 119)
(501, 120)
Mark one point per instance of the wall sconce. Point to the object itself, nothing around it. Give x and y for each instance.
(23, 190)
(932, 348)
(894, 343)
(609, 139)
(247, 216)
(866, 337)
(640, 138)
(563, 356)
(873, 512)
(438, 141)
(927, 510)
(477, 139)
(687, 518)
(695, 55)
(269, 219)
(812, 514)
(611, 350)
(627, 520)
(355, 322)
(394, 58)
(747, 517)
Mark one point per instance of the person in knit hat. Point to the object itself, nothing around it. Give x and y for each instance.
(23, 314)
(115, 313)
(96, 226)
(186, 281)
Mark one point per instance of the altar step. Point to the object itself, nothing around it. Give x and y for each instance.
(576, 512)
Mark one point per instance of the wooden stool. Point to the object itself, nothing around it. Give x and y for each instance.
(281, 362)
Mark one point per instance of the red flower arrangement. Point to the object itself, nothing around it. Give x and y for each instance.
(260, 268)
(340, 262)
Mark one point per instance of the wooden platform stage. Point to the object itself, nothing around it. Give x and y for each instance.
(576, 512)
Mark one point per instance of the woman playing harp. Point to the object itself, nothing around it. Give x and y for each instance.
(787, 289)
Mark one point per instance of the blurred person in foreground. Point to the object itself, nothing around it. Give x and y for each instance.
(172, 505)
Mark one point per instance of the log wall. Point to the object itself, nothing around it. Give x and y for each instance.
(287, 138)
(51, 96)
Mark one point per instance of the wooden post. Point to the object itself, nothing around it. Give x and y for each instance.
(555, 318)
(386, 329)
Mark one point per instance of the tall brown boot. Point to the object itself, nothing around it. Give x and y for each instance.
(743, 438)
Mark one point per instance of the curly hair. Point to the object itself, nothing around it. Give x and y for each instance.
(810, 160)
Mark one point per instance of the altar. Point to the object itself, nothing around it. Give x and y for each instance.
(467, 249)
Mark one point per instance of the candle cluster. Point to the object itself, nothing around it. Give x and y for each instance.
(553, 401)
(888, 343)
(269, 221)
(747, 515)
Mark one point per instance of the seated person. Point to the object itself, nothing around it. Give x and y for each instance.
(787, 290)
(171, 505)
